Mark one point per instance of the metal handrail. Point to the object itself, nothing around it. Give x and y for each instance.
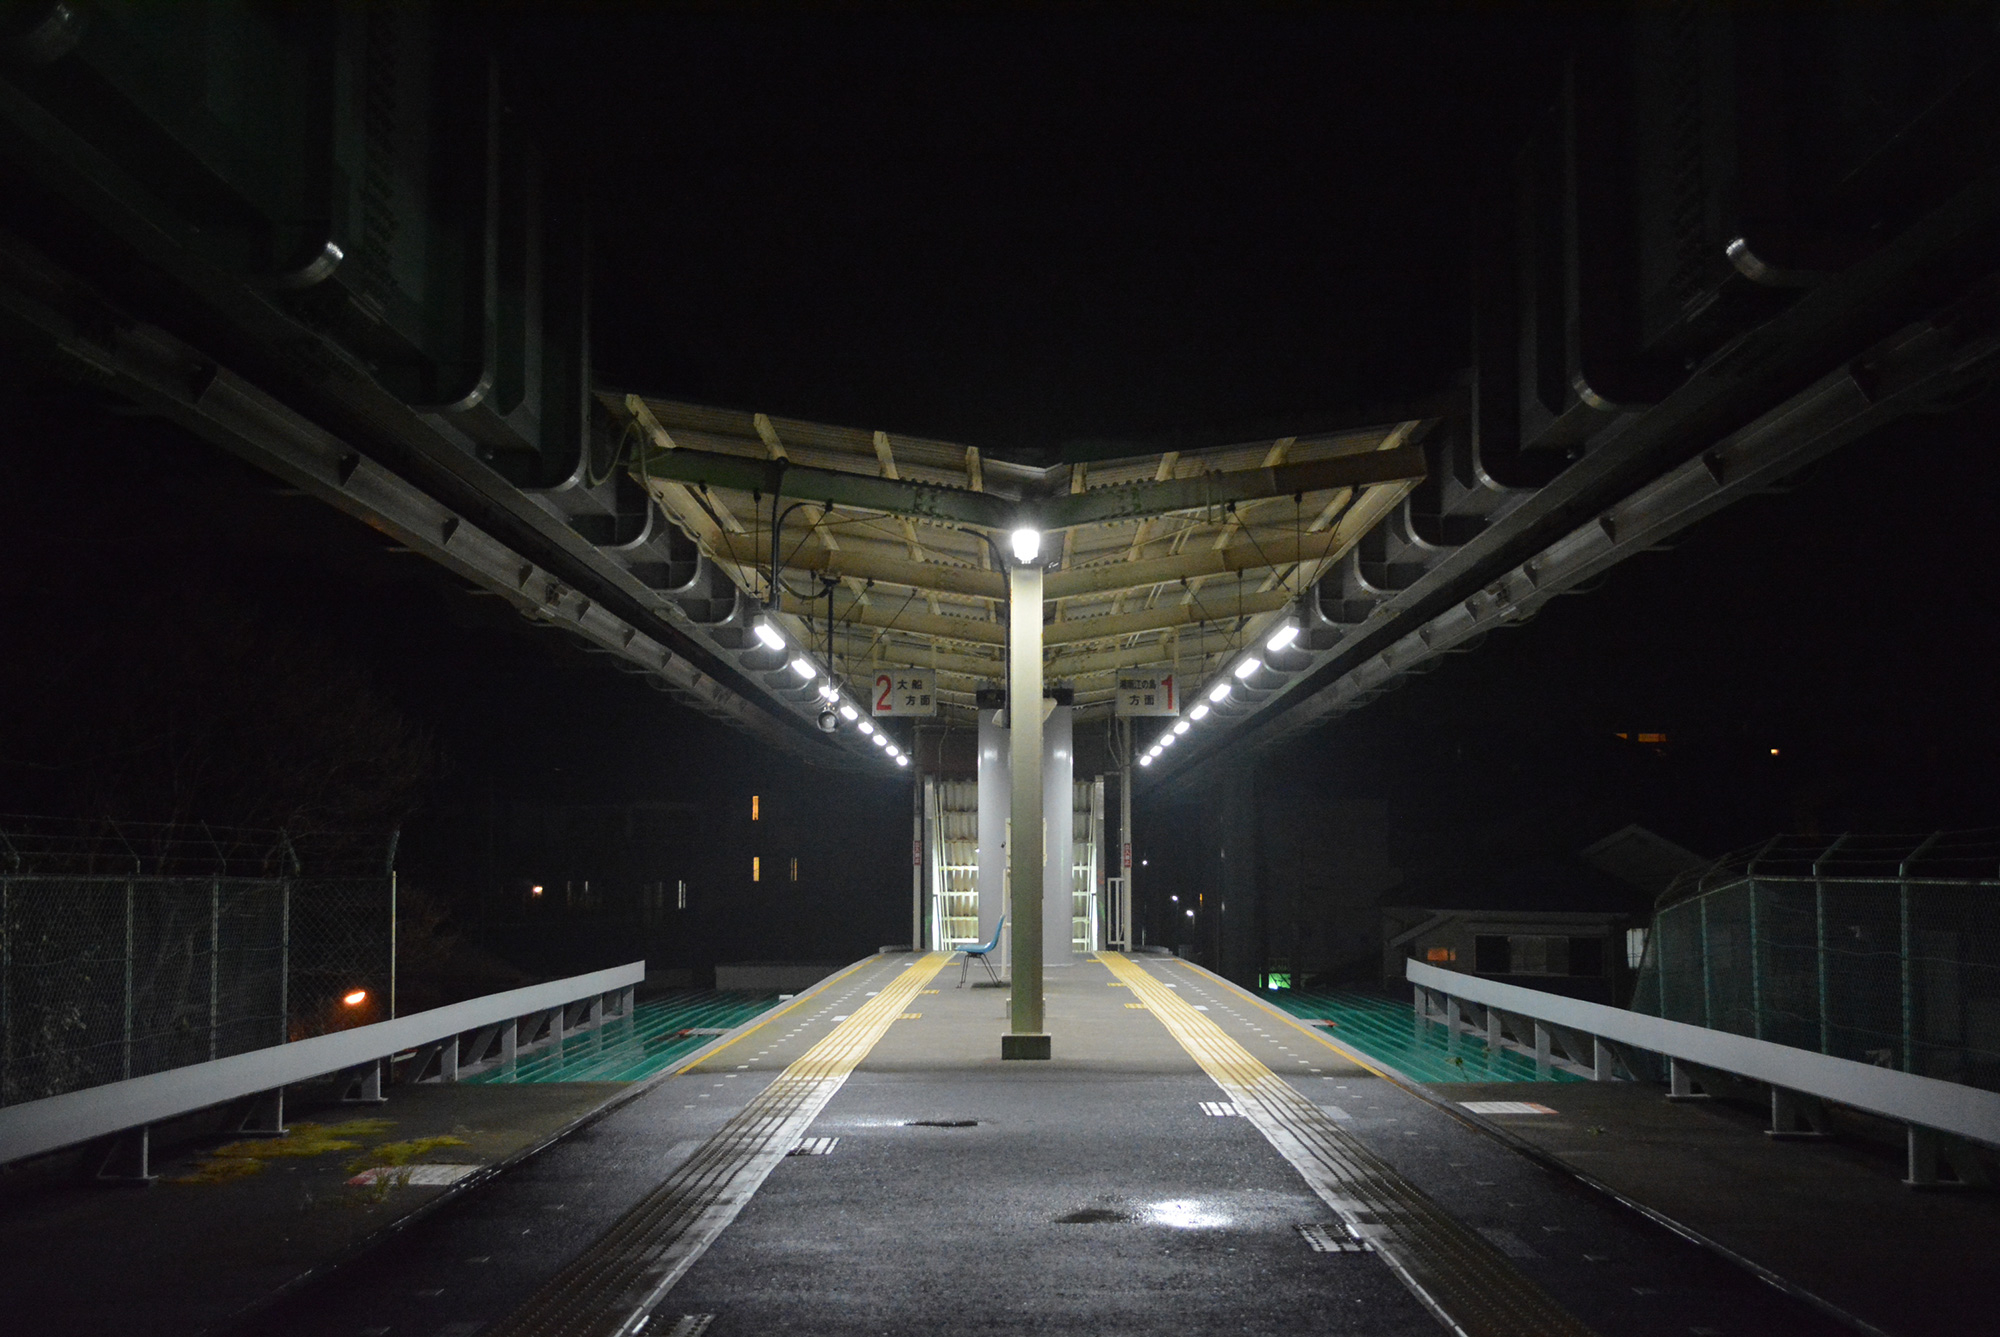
(1925, 1105)
(36, 1127)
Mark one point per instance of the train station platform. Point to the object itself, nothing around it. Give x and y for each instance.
(1192, 1160)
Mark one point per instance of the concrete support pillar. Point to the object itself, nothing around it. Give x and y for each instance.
(1027, 1039)
(995, 802)
(1058, 836)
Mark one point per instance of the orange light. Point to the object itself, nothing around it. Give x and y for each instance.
(357, 998)
(534, 891)
(1774, 751)
(1440, 954)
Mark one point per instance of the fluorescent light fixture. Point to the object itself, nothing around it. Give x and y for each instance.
(767, 632)
(1182, 727)
(1283, 636)
(893, 751)
(881, 740)
(866, 728)
(1146, 760)
(1245, 668)
(1166, 740)
(902, 761)
(848, 713)
(804, 667)
(829, 692)
(1220, 691)
(1200, 712)
(1027, 544)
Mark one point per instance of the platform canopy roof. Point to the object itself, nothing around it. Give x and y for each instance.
(1167, 562)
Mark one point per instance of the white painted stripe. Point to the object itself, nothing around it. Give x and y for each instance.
(414, 1176)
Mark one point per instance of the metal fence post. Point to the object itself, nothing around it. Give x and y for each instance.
(1908, 981)
(6, 991)
(214, 968)
(1819, 949)
(395, 839)
(284, 960)
(131, 893)
(1756, 969)
(1707, 975)
(1756, 938)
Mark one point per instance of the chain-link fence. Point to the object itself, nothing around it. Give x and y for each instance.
(130, 948)
(1882, 949)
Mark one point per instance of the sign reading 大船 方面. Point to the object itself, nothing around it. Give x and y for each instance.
(905, 692)
(1147, 694)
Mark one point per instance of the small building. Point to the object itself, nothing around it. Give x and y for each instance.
(1577, 953)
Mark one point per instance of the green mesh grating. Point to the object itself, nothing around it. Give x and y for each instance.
(625, 1050)
(1384, 1029)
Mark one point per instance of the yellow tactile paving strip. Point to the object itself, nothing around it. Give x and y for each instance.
(1461, 1278)
(621, 1277)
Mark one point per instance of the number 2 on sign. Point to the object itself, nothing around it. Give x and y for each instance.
(884, 684)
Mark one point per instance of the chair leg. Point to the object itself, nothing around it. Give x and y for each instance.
(964, 966)
(987, 961)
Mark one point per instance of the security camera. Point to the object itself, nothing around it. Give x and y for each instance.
(828, 721)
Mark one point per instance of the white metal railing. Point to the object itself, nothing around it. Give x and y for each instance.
(1593, 1039)
(452, 1041)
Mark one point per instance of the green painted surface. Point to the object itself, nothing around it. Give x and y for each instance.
(630, 1049)
(1385, 1029)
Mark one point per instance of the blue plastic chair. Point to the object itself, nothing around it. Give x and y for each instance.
(980, 954)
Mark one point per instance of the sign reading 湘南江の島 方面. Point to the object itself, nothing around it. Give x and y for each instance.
(905, 692)
(1147, 694)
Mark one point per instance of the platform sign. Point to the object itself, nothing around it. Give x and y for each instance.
(905, 692)
(1147, 694)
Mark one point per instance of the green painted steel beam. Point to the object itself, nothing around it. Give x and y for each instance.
(834, 487)
(987, 510)
(1135, 501)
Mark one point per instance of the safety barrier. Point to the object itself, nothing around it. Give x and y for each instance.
(1596, 1041)
(444, 1044)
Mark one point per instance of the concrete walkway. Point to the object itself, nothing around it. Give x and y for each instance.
(1191, 1161)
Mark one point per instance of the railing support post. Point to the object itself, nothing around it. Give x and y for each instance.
(1680, 1082)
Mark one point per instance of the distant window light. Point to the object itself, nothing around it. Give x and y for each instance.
(1652, 738)
(756, 869)
(795, 868)
(1441, 954)
(753, 807)
(1774, 751)
(535, 891)
(1635, 947)
(681, 891)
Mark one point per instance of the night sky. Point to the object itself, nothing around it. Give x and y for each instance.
(1042, 236)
